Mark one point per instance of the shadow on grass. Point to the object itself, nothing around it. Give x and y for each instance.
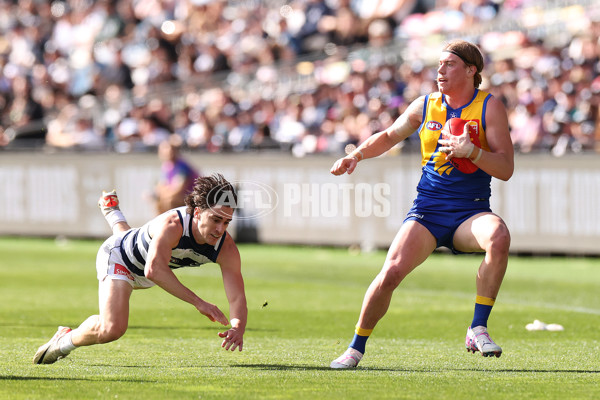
(39, 378)
(563, 371)
(283, 367)
(55, 378)
(280, 367)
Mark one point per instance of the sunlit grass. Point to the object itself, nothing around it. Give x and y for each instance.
(303, 304)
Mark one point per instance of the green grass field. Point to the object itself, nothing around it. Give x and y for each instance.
(303, 304)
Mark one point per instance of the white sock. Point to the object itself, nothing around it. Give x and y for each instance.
(115, 217)
(65, 344)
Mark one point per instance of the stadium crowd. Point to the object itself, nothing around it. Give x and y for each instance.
(303, 76)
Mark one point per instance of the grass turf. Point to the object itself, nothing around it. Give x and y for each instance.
(303, 303)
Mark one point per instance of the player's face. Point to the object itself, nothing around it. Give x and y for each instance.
(453, 74)
(212, 223)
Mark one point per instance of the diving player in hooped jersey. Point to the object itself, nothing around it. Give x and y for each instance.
(140, 258)
(452, 207)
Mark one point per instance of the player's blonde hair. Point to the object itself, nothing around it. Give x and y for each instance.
(470, 54)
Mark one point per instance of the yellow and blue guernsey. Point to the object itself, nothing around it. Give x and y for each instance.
(440, 177)
(446, 196)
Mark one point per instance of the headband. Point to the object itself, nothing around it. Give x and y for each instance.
(461, 57)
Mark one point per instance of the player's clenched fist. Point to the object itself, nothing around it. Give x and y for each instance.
(343, 165)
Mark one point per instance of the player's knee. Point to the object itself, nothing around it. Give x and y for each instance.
(500, 240)
(111, 332)
(391, 278)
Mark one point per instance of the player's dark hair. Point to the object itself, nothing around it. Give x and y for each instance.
(210, 191)
(469, 53)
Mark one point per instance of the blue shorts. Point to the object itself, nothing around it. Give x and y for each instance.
(443, 217)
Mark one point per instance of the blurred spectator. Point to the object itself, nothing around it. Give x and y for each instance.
(22, 113)
(3, 138)
(262, 140)
(152, 131)
(70, 129)
(306, 76)
(177, 176)
(290, 128)
(240, 136)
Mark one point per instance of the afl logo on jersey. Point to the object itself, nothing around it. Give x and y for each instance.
(434, 126)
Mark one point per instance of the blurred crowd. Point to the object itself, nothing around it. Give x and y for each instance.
(300, 76)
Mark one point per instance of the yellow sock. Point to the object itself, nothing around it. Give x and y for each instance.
(486, 301)
(363, 332)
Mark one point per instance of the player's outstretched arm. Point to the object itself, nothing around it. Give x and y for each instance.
(233, 282)
(166, 233)
(404, 126)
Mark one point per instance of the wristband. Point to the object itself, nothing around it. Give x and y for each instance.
(478, 156)
(355, 154)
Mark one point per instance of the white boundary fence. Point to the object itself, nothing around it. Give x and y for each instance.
(550, 205)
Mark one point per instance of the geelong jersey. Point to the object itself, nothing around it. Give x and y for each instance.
(440, 177)
(187, 253)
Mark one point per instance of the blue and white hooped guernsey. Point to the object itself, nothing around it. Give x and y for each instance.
(187, 253)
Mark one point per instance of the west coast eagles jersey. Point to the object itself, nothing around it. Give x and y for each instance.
(187, 253)
(440, 177)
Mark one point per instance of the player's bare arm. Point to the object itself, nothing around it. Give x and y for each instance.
(379, 143)
(233, 282)
(499, 161)
(166, 234)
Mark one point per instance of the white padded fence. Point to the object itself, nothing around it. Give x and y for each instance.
(550, 205)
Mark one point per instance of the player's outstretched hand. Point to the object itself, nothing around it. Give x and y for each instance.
(343, 165)
(232, 339)
(213, 313)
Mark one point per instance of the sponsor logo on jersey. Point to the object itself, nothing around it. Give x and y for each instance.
(434, 125)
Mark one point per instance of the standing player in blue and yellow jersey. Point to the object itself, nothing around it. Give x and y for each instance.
(452, 208)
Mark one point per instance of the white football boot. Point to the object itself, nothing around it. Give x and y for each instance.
(478, 339)
(349, 359)
(50, 352)
(108, 202)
